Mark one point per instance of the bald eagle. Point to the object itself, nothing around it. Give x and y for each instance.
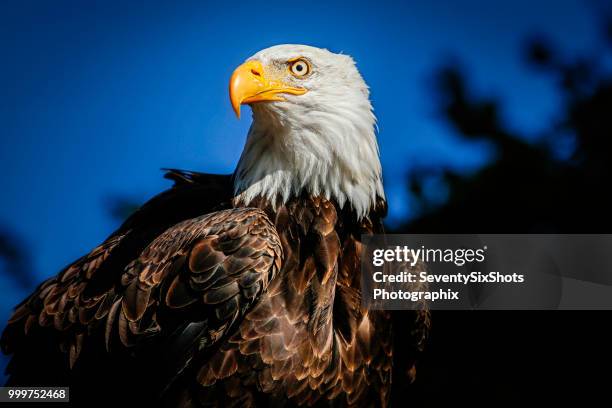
(239, 290)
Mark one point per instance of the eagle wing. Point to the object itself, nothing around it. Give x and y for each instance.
(186, 289)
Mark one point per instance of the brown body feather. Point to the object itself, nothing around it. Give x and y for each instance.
(195, 302)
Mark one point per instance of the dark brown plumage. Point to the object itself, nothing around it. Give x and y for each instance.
(196, 302)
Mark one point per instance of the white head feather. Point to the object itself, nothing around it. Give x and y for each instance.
(322, 142)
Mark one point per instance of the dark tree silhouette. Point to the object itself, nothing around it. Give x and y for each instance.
(504, 358)
(529, 187)
(15, 258)
(16, 265)
(120, 207)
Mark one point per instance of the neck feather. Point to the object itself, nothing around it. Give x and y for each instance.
(332, 154)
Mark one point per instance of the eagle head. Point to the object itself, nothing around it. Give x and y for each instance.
(313, 128)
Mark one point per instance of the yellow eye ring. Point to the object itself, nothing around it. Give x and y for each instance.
(299, 68)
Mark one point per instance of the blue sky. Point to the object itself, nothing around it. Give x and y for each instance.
(97, 96)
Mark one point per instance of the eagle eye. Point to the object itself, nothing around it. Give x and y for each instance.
(299, 68)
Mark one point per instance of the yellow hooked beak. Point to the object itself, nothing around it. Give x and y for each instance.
(250, 84)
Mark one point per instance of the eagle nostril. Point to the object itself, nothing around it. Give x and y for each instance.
(255, 72)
